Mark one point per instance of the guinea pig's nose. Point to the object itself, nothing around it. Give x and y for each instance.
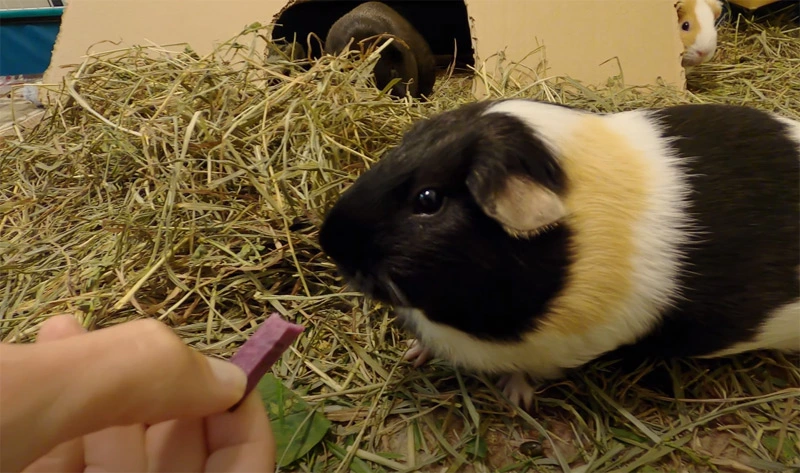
(345, 241)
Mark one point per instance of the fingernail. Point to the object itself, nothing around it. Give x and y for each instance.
(228, 374)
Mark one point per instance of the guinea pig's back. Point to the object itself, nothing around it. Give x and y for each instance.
(395, 24)
(355, 25)
(374, 18)
(742, 255)
(366, 20)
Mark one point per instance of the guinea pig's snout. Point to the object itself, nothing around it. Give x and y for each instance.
(348, 244)
(697, 56)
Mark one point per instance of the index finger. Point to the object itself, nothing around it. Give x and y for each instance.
(141, 372)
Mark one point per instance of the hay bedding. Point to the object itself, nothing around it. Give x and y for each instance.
(190, 189)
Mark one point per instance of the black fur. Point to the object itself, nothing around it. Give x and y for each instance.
(414, 63)
(745, 173)
(459, 266)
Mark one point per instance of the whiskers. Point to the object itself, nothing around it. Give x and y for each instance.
(395, 294)
(402, 306)
(359, 282)
(376, 286)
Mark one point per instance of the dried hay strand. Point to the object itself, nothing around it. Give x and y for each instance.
(190, 189)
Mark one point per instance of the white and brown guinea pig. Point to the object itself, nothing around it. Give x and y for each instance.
(409, 59)
(519, 238)
(697, 20)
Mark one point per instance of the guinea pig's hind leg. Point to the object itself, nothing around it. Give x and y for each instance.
(418, 353)
(517, 389)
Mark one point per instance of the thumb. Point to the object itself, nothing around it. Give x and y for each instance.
(135, 372)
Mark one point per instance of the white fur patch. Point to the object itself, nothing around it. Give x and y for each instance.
(553, 124)
(659, 235)
(794, 128)
(666, 227)
(780, 332)
(706, 39)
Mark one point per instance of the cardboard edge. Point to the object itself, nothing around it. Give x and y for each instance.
(289, 4)
(477, 90)
(46, 93)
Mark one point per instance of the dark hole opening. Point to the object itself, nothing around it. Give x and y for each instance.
(443, 23)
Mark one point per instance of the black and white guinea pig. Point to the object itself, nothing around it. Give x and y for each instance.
(520, 238)
(409, 59)
(697, 20)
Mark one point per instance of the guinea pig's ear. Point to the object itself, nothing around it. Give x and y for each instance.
(680, 8)
(716, 9)
(517, 190)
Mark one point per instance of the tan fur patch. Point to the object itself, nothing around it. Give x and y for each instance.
(687, 12)
(607, 196)
(524, 207)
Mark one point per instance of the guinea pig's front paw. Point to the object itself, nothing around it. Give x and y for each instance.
(418, 353)
(517, 389)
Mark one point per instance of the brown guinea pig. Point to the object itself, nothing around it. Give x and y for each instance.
(697, 21)
(409, 59)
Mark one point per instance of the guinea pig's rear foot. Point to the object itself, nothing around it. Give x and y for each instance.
(517, 389)
(418, 353)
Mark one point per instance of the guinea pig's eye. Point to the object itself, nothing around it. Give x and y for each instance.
(685, 26)
(428, 201)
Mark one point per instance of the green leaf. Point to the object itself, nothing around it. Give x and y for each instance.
(623, 434)
(296, 426)
(787, 452)
(477, 448)
(647, 469)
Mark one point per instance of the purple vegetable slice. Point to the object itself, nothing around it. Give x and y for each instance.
(257, 355)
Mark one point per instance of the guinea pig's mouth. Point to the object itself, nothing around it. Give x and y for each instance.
(376, 286)
(696, 56)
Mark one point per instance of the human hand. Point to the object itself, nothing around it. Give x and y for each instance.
(130, 398)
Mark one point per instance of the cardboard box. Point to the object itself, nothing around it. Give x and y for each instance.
(589, 40)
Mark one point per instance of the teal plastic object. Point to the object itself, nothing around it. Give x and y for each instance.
(27, 37)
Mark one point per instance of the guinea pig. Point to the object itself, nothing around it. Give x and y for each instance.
(281, 51)
(524, 239)
(697, 21)
(408, 57)
(292, 51)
